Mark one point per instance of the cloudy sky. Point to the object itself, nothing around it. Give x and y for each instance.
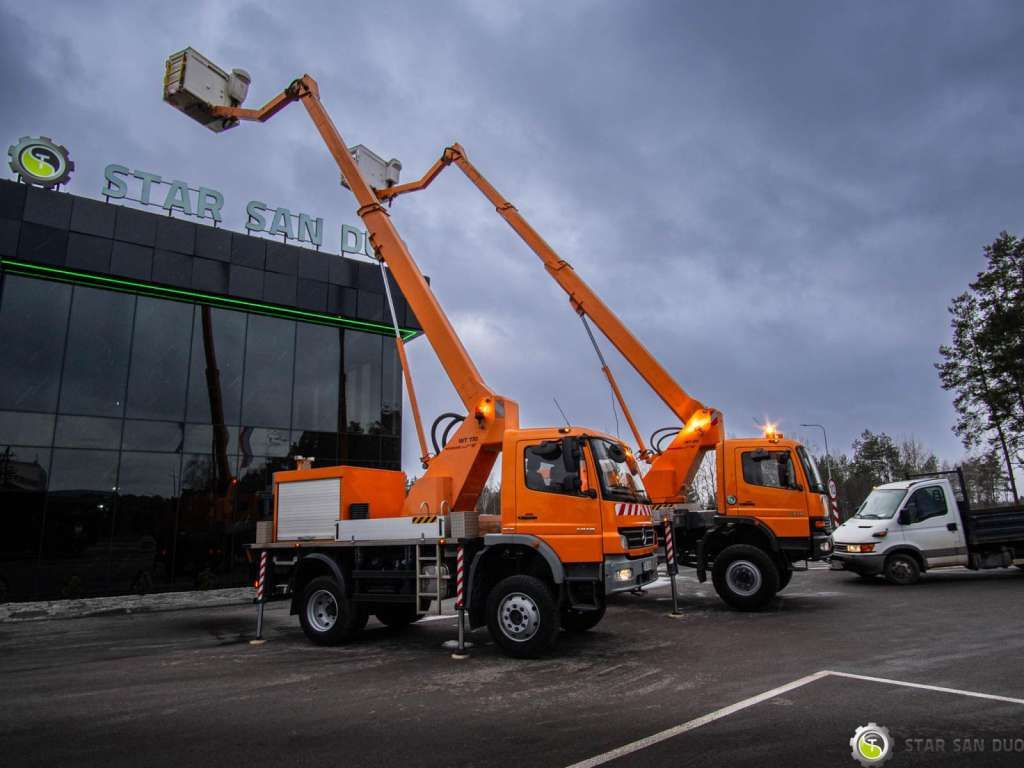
(779, 198)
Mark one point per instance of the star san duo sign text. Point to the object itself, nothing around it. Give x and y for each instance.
(207, 203)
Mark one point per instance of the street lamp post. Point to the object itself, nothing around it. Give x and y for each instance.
(828, 457)
(833, 501)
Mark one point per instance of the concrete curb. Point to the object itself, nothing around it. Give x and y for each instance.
(123, 604)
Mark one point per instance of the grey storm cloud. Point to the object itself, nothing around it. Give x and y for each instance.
(780, 199)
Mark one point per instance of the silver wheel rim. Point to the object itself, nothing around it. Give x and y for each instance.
(900, 570)
(743, 577)
(518, 617)
(322, 611)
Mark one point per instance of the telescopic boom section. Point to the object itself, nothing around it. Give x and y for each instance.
(672, 470)
(452, 480)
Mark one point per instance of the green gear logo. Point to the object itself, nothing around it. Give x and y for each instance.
(40, 161)
(871, 745)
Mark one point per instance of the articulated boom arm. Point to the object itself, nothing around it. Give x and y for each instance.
(455, 476)
(701, 430)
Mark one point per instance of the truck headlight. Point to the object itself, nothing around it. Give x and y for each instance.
(623, 541)
(624, 574)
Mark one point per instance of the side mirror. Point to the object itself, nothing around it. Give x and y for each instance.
(571, 455)
(590, 493)
(906, 516)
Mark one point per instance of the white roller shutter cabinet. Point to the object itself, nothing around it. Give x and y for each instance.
(308, 509)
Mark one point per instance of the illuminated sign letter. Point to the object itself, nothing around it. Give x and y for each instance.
(351, 239)
(282, 223)
(147, 181)
(116, 186)
(178, 197)
(210, 200)
(255, 210)
(311, 230)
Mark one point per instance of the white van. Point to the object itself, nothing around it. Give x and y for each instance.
(903, 529)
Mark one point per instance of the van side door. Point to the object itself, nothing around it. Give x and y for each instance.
(933, 526)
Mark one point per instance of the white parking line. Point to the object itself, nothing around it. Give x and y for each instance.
(644, 743)
(938, 688)
(648, 741)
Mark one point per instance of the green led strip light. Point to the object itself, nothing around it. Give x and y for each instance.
(62, 275)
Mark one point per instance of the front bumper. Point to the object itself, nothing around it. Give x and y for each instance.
(865, 565)
(642, 571)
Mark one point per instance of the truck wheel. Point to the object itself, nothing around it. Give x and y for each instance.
(745, 577)
(785, 576)
(581, 621)
(522, 617)
(397, 616)
(902, 569)
(327, 616)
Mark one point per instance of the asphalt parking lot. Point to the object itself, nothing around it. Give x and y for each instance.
(940, 664)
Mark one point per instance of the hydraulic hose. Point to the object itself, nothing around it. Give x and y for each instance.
(655, 441)
(456, 418)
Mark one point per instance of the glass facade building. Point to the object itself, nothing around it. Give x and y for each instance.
(141, 419)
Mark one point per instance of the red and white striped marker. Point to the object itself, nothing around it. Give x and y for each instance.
(460, 578)
(262, 578)
(670, 548)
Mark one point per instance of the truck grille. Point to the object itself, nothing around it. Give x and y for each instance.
(838, 547)
(641, 536)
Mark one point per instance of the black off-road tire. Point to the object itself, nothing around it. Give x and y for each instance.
(522, 616)
(902, 569)
(581, 621)
(745, 577)
(316, 620)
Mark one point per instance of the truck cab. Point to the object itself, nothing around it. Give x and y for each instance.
(905, 528)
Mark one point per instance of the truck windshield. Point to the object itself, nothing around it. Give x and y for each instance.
(811, 470)
(620, 477)
(881, 504)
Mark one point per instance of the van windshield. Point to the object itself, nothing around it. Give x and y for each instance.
(881, 504)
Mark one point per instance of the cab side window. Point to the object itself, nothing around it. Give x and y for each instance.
(545, 472)
(773, 469)
(926, 503)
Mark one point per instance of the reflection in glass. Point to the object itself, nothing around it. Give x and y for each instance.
(317, 374)
(21, 428)
(87, 432)
(391, 389)
(362, 382)
(96, 361)
(23, 479)
(269, 357)
(33, 321)
(76, 545)
(160, 349)
(153, 436)
(226, 335)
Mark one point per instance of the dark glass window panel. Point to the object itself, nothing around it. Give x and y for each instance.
(391, 452)
(83, 471)
(160, 350)
(20, 428)
(363, 450)
(143, 526)
(149, 474)
(33, 322)
(261, 441)
(23, 475)
(224, 352)
(153, 436)
(391, 390)
(255, 485)
(96, 362)
(269, 356)
(79, 515)
(199, 439)
(323, 446)
(87, 432)
(362, 382)
(317, 374)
